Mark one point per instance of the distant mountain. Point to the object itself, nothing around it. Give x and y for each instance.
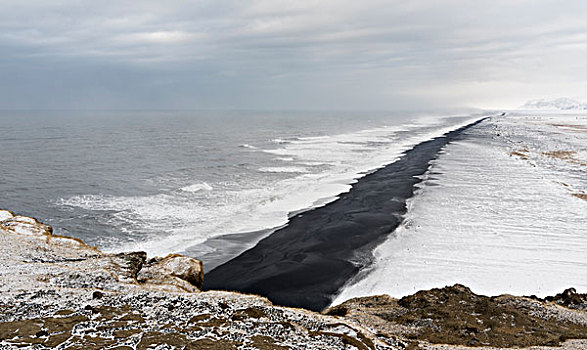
(562, 103)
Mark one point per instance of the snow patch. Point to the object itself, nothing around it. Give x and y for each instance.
(5, 215)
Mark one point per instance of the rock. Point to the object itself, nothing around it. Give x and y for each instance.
(24, 225)
(184, 272)
(145, 320)
(49, 299)
(456, 315)
(570, 298)
(125, 266)
(32, 256)
(5, 214)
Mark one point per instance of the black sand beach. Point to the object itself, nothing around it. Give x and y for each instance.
(306, 262)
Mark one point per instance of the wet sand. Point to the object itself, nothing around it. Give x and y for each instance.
(305, 263)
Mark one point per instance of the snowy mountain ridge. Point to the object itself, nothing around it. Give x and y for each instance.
(562, 103)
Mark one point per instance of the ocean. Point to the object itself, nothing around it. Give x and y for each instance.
(162, 181)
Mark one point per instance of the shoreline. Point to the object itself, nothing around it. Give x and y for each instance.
(305, 263)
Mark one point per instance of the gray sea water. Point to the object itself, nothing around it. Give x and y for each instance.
(163, 181)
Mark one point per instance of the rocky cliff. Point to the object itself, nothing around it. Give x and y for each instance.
(57, 292)
(455, 315)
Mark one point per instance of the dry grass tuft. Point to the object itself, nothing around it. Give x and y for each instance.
(519, 154)
(560, 154)
(569, 156)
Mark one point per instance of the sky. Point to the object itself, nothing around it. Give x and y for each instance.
(273, 54)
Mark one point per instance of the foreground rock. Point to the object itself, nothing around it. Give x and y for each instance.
(143, 320)
(57, 292)
(31, 256)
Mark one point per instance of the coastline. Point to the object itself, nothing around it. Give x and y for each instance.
(58, 292)
(305, 263)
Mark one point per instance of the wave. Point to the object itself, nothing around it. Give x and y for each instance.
(284, 141)
(170, 222)
(291, 169)
(197, 187)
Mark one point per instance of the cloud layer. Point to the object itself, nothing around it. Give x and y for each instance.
(274, 54)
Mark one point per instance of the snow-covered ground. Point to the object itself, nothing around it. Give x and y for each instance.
(561, 103)
(503, 211)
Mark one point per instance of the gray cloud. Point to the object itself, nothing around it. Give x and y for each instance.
(327, 54)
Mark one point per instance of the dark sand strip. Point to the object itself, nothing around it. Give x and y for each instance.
(216, 251)
(305, 263)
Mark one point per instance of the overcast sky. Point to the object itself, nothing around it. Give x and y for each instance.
(294, 54)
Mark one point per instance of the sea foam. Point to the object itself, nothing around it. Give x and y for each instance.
(197, 187)
(170, 222)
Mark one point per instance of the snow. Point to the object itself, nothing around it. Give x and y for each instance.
(499, 211)
(562, 103)
(5, 214)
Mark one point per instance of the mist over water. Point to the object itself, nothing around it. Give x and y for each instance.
(162, 181)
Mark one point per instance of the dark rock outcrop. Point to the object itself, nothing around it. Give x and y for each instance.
(456, 315)
(571, 299)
